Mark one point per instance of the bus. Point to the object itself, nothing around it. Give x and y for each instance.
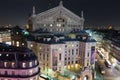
(107, 63)
(100, 54)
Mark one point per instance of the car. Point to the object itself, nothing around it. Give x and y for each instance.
(102, 69)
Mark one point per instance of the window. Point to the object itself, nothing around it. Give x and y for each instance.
(63, 30)
(59, 25)
(68, 62)
(72, 62)
(51, 30)
(59, 56)
(88, 54)
(65, 63)
(60, 20)
(65, 58)
(16, 32)
(51, 25)
(44, 25)
(30, 72)
(65, 46)
(72, 51)
(69, 58)
(6, 73)
(76, 62)
(40, 48)
(87, 64)
(30, 64)
(43, 56)
(31, 45)
(13, 64)
(13, 72)
(23, 44)
(47, 57)
(17, 43)
(23, 65)
(5, 64)
(13, 42)
(60, 30)
(35, 62)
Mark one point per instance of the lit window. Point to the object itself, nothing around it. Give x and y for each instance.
(51, 25)
(31, 72)
(60, 49)
(59, 25)
(23, 44)
(13, 42)
(24, 55)
(72, 45)
(31, 79)
(35, 62)
(7, 54)
(13, 64)
(44, 25)
(17, 43)
(0, 54)
(31, 45)
(60, 30)
(30, 64)
(40, 47)
(5, 64)
(16, 32)
(27, 26)
(23, 65)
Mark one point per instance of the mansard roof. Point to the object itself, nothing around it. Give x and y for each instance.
(59, 10)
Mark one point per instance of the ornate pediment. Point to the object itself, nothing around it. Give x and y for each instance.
(58, 11)
(58, 19)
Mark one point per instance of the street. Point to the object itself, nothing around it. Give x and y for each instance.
(110, 73)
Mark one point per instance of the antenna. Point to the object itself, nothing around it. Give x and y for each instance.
(82, 15)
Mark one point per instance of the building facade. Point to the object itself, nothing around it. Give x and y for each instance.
(17, 63)
(18, 37)
(56, 20)
(60, 44)
(59, 53)
(5, 35)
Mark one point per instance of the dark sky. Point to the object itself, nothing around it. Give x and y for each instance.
(96, 12)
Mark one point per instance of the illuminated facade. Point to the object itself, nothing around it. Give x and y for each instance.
(5, 35)
(18, 37)
(17, 63)
(56, 20)
(58, 53)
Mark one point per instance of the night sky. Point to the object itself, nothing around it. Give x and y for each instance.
(96, 12)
